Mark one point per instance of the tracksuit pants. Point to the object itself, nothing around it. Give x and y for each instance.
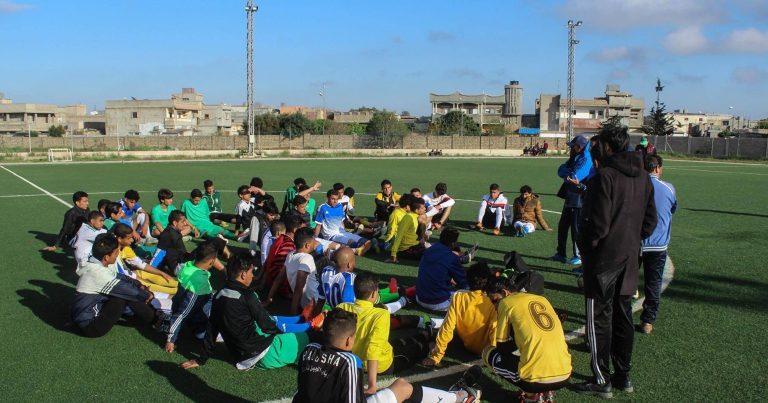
(110, 313)
(568, 220)
(506, 365)
(653, 270)
(609, 329)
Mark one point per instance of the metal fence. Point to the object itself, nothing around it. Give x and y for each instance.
(732, 147)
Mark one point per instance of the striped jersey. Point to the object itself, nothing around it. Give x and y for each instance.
(337, 287)
(328, 375)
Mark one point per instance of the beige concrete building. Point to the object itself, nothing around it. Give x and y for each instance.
(484, 109)
(708, 123)
(178, 115)
(589, 113)
(216, 120)
(23, 117)
(352, 117)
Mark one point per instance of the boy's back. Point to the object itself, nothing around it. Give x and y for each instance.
(372, 333)
(338, 287)
(299, 261)
(328, 375)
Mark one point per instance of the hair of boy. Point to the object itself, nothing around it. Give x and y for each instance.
(405, 200)
(164, 194)
(386, 182)
(131, 194)
(338, 186)
(302, 187)
(416, 203)
(241, 262)
(195, 193)
(270, 207)
(176, 216)
(365, 285)
(303, 236)
(338, 325)
(78, 195)
(525, 189)
(414, 190)
(292, 223)
(103, 203)
(330, 193)
(205, 251)
(616, 138)
(104, 245)
(299, 181)
(494, 186)
(256, 181)
(277, 226)
(243, 189)
(652, 162)
(349, 192)
(207, 183)
(112, 208)
(441, 188)
(299, 200)
(122, 230)
(478, 275)
(94, 214)
(449, 236)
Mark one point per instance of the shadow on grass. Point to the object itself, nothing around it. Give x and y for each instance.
(50, 304)
(61, 260)
(714, 289)
(189, 384)
(727, 212)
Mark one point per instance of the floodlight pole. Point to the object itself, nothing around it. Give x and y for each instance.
(572, 42)
(29, 133)
(250, 9)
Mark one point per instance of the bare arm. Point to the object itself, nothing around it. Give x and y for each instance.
(373, 369)
(298, 291)
(275, 286)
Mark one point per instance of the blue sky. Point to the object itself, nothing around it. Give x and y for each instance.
(710, 54)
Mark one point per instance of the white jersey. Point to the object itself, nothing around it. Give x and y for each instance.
(83, 241)
(296, 262)
(433, 201)
(243, 207)
(337, 287)
(497, 207)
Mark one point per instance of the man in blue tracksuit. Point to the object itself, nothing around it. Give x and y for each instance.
(654, 254)
(439, 269)
(574, 172)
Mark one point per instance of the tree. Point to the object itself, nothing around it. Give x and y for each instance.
(457, 122)
(56, 131)
(612, 122)
(386, 129)
(267, 124)
(358, 129)
(763, 124)
(294, 125)
(660, 122)
(405, 113)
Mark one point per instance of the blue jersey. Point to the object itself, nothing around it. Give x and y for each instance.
(337, 287)
(331, 218)
(129, 212)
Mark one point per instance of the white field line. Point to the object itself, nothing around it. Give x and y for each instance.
(715, 162)
(637, 305)
(717, 172)
(47, 193)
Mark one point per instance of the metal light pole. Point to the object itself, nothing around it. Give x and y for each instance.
(250, 9)
(572, 42)
(322, 94)
(29, 133)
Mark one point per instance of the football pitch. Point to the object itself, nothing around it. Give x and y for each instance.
(708, 344)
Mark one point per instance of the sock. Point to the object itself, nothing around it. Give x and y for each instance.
(393, 307)
(436, 322)
(436, 395)
(393, 285)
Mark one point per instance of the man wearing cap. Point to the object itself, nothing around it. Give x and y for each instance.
(574, 172)
(645, 147)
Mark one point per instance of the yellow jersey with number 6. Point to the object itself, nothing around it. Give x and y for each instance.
(538, 334)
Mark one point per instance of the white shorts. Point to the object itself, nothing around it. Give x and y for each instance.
(349, 239)
(385, 395)
(441, 307)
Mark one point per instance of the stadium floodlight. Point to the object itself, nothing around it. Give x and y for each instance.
(572, 42)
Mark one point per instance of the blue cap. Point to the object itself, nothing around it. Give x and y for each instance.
(579, 140)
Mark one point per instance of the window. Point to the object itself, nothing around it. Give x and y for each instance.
(134, 115)
(206, 116)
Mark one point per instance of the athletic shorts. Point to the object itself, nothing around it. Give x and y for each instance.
(284, 350)
(385, 395)
(349, 239)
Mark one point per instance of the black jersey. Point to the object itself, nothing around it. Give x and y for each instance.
(328, 375)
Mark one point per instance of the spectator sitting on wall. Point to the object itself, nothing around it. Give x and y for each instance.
(544, 148)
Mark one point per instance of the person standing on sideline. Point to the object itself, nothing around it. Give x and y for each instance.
(654, 255)
(574, 172)
(619, 212)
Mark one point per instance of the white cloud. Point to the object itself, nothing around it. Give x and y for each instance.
(749, 75)
(746, 41)
(8, 7)
(687, 40)
(620, 15)
(634, 57)
(609, 54)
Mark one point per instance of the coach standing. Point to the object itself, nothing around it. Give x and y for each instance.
(619, 212)
(655, 247)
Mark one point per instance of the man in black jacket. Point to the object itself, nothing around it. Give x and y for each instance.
(249, 332)
(73, 218)
(619, 212)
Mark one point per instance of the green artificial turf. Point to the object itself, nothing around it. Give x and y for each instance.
(708, 344)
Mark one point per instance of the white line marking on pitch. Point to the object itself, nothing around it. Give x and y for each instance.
(717, 172)
(669, 273)
(37, 187)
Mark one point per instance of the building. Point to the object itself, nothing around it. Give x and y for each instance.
(178, 115)
(484, 109)
(704, 124)
(216, 120)
(15, 118)
(588, 114)
(352, 117)
(310, 112)
(240, 114)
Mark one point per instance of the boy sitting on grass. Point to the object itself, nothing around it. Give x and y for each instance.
(73, 219)
(136, 215)
(403, 207)
(249, 332)
(102, 294)
(275, 262)
(301, 273)
(132, 266)
(330, 225)
(440, 273)
(409, 241)
(526, 211)
(170, 249)
(162, 210)
(471, 314)
(198, 216)
(276, 230)
(331, 373)
(83, 241)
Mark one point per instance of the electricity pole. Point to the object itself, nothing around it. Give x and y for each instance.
(572, 42)
(250, 9)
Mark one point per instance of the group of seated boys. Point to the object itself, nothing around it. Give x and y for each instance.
(135, 263)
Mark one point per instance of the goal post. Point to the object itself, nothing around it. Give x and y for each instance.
(59, 154)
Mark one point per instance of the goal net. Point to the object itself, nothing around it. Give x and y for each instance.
(59, 154)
